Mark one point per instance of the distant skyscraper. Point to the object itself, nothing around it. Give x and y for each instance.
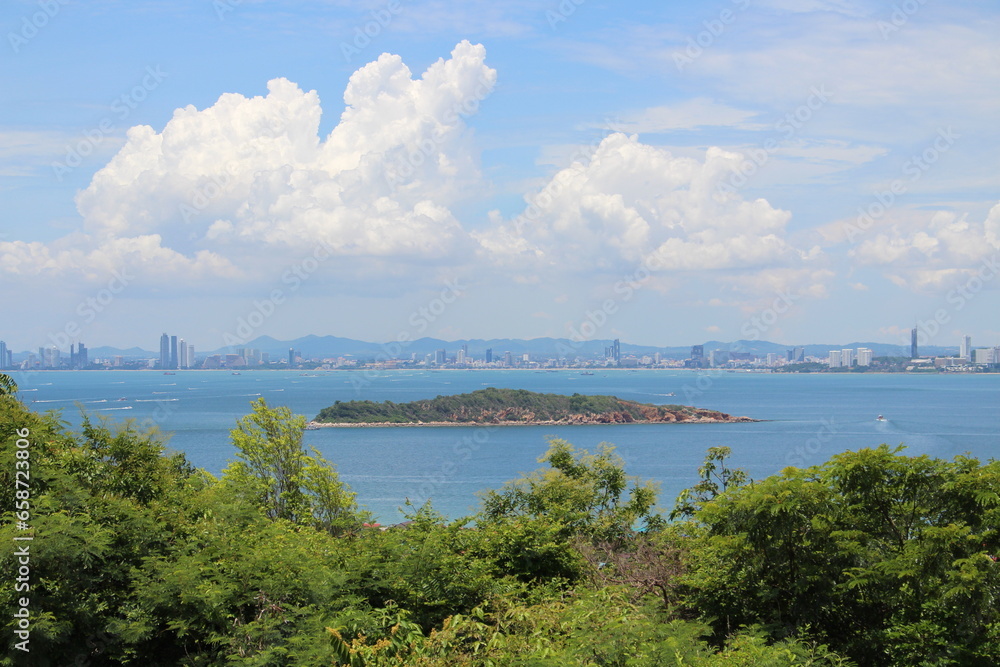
(291, 357)
(616, 351)
(847, 357)
(864, 356)
(697, 351)
(4, 362)
(965, 349)
(173, 352)
(190, 356)
(440, 356)
(181, 353)
(489, 355)
(164, 351)
(834, 359)
(508, 360)
(914, 352)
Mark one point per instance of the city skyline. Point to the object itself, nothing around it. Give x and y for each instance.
(766, 170)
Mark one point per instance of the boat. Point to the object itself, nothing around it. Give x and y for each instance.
(169, 373)
(880, 418)
(235, 373)
(586, 373)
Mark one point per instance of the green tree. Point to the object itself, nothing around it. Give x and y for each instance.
(7, 385)
(886, 558)
(716, 478)
(584, 493)
(275, 472)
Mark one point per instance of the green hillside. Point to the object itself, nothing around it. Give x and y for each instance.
(499, 406)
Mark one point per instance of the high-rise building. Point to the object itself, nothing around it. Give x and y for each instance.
(984, 355)
(697, 351)
(291, 357)
(847, 357)
(173, 352)
(181, 354)
(616, 351)
(164, 351)
(508, 360)
(772, 358)
(489, 355)
(4, 362)
(965, 349)
(190, 355)
(440, 356)
(78, 356)
(834, 359)
(460, 357)
(865, 355)
(914, 352)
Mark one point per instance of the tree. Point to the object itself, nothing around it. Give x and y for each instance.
(276, 474)
(580, 491)
(886, 558)
(7, 385)
(716, 478)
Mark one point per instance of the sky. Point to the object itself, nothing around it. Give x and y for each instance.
(814, 171)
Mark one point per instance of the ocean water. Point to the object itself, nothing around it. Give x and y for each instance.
(808, 419)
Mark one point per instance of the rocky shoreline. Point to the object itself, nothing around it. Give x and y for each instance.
(578, 420)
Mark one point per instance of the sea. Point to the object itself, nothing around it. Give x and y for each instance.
(806, 419)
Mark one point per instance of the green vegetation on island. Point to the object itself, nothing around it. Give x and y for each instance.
(873, 559)
(515, 406)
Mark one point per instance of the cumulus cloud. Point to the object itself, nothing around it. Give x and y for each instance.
(933, 255)
(633, 205)
(221, 191)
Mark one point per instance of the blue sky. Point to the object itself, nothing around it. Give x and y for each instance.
(815, 171)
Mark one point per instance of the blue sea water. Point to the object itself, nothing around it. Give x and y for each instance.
(810, 417)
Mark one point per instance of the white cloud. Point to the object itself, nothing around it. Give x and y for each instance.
(932, 255)
(247, 183)
(635, 204)
(687, 115)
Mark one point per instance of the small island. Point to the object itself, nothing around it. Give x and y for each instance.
(511, 407)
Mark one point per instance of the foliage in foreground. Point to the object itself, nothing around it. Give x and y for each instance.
(874, 558)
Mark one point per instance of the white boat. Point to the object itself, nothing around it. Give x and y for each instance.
(880, 418)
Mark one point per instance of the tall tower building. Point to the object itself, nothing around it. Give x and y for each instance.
(834, 360)
(489, 355)
(864, 356)
(164, 351)
(3, 356)
(181, 354)
(847, 357)
(173, 352)
(190, 355)
(616, 351)
(965, 349)
(914, 352)
(291, 357)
